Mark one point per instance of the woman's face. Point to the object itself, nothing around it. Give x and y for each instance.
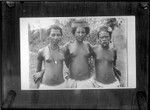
(80, 34)
(55, 36)
(104, 38)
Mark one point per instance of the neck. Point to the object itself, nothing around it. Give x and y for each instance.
(105, 47)
(79, 42)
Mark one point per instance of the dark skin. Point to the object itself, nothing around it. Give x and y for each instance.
(79, 55)
(104, 60)
(53, 59)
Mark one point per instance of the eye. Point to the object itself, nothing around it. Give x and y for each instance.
(83, 32)
(102, 37)
(59, 35)
(106, 37)
(52, 35)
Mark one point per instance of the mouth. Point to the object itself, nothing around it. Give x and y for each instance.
(80, 38)
(105, 43)
(56, 41)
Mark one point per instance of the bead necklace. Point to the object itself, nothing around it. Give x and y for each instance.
(50, 49)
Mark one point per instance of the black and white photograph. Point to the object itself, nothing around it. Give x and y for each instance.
(70, 55)
(77, 53)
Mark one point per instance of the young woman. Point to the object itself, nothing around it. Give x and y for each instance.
(105, 59)
(53, 58)
(77, 54)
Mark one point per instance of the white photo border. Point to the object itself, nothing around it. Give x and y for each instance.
(131, 54)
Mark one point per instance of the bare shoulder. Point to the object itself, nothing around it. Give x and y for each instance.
(42, 50)
(112, 49)
(65, 45)
(41, 53)
(68, 43)
(96, 46)
(88, 44)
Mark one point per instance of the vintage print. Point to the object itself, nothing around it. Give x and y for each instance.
(65, 53)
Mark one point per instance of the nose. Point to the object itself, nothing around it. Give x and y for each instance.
(80, 34)
(104, 39)
(56, 37)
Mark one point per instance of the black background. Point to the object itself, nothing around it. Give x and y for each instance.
(108, 99)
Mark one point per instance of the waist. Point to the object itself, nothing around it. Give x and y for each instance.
(104, 69)
(52, 82)
(101, 84)
(104, 64)
(79, 69)
(53, 67)
(79, 76)
(105, 78)
(52, 78)
(51, 73)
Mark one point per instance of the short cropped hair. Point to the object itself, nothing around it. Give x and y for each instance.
(56, 27)
(106, 29)
(87, 30)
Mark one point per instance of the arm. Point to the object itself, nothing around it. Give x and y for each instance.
(115, 57)
(39, 73)
(66, 52)
(39, 61)
(116, 70)
(91, 59)
(66, 72)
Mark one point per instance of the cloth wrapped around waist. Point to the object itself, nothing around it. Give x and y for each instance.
(72, 83)
(98, 84)
(46, 87)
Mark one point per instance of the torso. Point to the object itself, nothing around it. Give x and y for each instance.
(53, 64)
(79, 67)
(104, 60)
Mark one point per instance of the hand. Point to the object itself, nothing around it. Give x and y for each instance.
(66, 76)
(37, 76)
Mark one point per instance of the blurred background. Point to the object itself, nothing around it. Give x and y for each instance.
(37, 33)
